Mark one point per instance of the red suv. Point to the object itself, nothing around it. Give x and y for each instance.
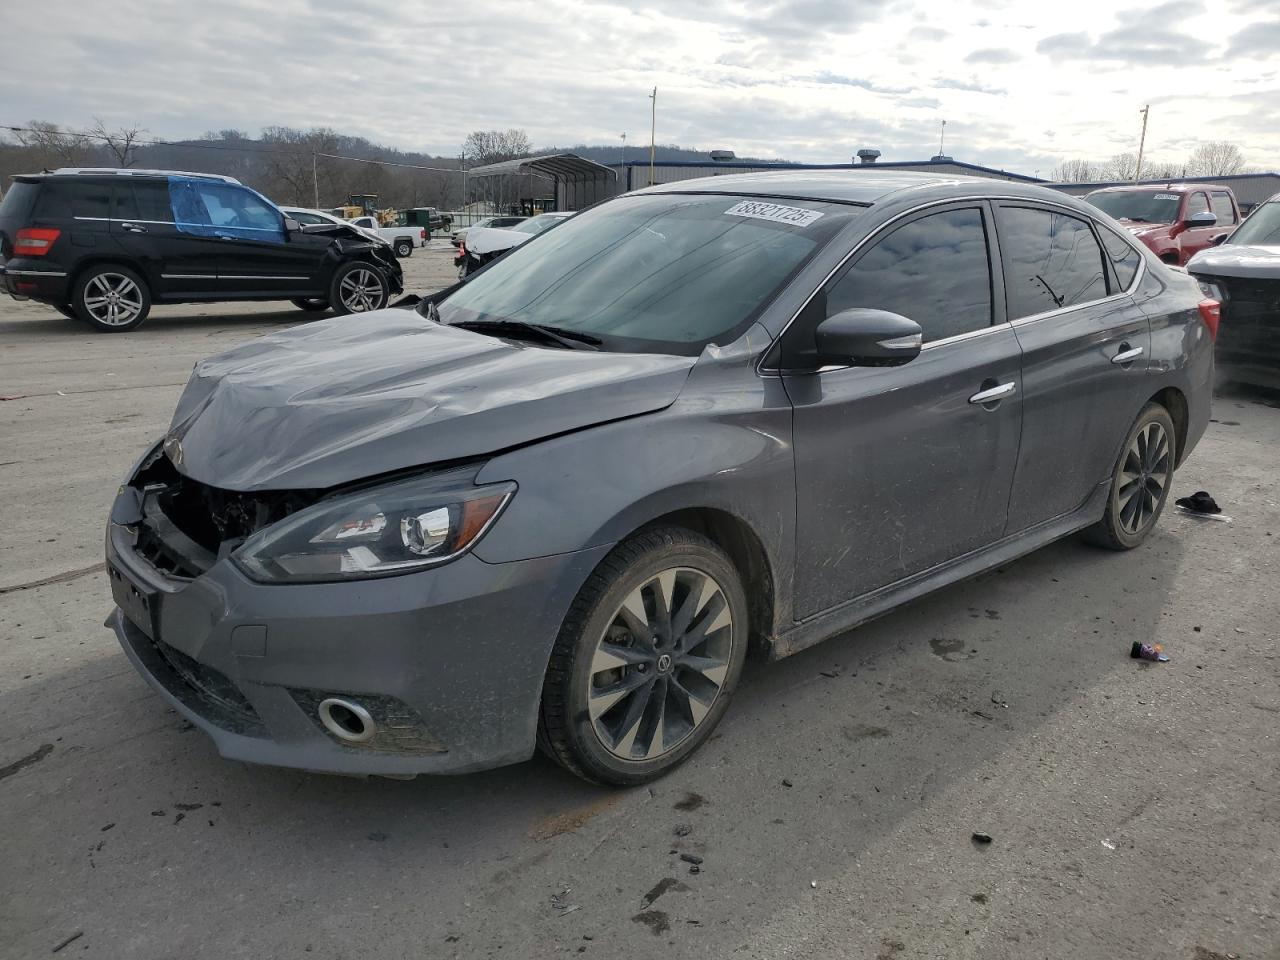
(1176, 220)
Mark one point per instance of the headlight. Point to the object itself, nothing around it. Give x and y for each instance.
(381, 531)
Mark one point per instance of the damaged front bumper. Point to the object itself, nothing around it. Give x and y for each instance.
(447, 662)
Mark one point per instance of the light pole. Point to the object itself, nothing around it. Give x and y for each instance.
(653, 131)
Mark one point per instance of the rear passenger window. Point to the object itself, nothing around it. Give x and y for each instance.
(1124, 259)
(1051, 261)
(152, 198)
(1222, 208)
(934, 271)
(65, 200)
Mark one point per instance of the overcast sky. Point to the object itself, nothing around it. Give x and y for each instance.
(1022, 84)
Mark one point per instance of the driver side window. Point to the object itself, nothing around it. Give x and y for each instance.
(935, 270)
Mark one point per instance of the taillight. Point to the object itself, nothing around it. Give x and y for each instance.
(422, 234)
(34, 241)
(462, 248)
(1211, 314)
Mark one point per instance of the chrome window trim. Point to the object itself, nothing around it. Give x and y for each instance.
(231, 276)
(123, 220)
(1000, 198)
(35, 273)
(188, 276)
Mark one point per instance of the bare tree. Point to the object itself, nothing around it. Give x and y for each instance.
(1123, 166)
(1217, 158)
(494, 146)
(1077, 171)
(123, 143)
(290, 174)
(51, 146)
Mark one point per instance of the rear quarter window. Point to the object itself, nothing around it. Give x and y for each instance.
(1124, 259)
(73, 199)
(18, 200)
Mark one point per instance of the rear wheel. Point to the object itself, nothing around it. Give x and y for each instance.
(358, 287)
(404, 248)
(314, 304)
(111, 298)
(646, 660)
(1140, 483)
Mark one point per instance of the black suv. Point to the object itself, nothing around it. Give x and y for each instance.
(103, 245)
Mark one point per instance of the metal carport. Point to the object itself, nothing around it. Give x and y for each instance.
(579, 182)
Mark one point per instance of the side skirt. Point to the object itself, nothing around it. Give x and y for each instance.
(858, 611)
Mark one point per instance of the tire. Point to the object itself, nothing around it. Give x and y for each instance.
(1149, 454)
(313, 304)
(677, 681)
(358, 287)
(111, 298)
(67, 310)
(404, 248)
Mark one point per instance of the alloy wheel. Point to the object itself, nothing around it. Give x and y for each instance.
(361, 290)
(660, 664)
(1144, 474)
(112, 299)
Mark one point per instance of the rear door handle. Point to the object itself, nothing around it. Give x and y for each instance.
(994, 393)
(1127, 356)
(133, 228)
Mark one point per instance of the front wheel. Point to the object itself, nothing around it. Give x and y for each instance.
(111, 298)
(646, 660)
(1140, 482)
(404, 248)
(358, 287)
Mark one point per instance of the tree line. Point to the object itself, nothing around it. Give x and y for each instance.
(1217, 158)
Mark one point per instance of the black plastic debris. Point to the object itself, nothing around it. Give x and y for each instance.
(981, 838)
(1199, 502)
(690, 858)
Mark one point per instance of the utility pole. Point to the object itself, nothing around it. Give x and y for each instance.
(462, 164)
(315, 180)
(942, 138)
(653, 131)
(1142, 142)
(624, 148)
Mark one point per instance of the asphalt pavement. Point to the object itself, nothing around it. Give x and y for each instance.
(1133, 808)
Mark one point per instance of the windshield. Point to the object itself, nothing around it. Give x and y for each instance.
(1141, 206)
(536, 225)
(1262, 228)
(656, 273)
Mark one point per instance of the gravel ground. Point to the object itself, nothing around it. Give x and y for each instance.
(1134, 808)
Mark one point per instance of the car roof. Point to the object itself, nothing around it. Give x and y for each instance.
(1159, 188)
(854, 186)
(122, 172)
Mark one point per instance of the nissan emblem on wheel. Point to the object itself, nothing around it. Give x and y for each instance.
(104, 246)
(558, 504)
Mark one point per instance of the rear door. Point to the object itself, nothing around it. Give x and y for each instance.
(900, 469)
(176, 264)
(255, 254)
(1085, 348)
(1224, 208)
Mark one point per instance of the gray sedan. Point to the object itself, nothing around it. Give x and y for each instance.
(558, 503)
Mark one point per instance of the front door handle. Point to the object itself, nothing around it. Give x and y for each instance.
(133, 228)
(994, 393)
(1127, 354)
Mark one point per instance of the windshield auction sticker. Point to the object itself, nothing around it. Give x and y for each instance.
(792, 216)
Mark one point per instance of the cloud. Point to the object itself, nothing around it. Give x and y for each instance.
(968, 86)
(993, 55)
(1260, 40)
(927, 34)
(1141, 36)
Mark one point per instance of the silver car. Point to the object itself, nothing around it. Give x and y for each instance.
(558, 503)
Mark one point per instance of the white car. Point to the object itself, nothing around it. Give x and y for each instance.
(485, 243)
(307, 216)
(459, 235)
(402, 239)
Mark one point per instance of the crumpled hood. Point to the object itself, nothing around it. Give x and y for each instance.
(490, 239)
(339, 400)
(1237, 260)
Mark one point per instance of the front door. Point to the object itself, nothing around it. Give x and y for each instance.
(901, 469)
(1195, 239)
(1085, 347)
(257, 256)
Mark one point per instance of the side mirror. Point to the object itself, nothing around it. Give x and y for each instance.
(863, 337)
(1204, 218)
(291, 225)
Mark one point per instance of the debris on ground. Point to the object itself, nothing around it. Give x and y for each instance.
(695, 869)
(12, 396)
(71, 939)
(1147, 651)
(691, 801)
(813, 884)
(690, 858)
(1109, 844)
(1200, 504)
(998, 699)
(560, 902)
(787, 783)
(661, 887)
(683, 829)
(982, 838)
(830, 674)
